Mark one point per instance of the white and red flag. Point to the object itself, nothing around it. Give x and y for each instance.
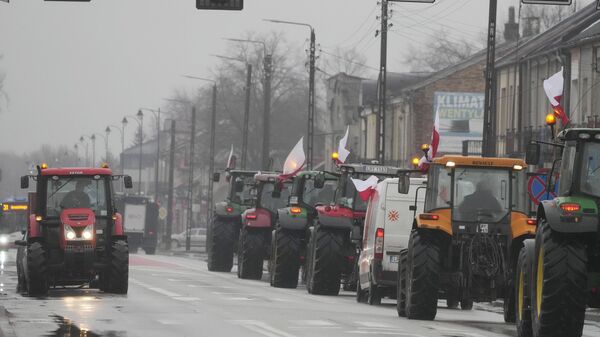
(435, 143)
(295, 160)
(231, 160)
(365, 188)
(342, 151)
(553, 87)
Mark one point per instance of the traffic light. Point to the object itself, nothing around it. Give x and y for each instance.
(547, 2)
(229, 5)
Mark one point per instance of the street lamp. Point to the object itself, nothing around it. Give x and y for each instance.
(139, 118)
(311, 88)
(122, 132)
(105, 145)
(267, 64)
(246, 107)
(76, 147)
(211, 152)
(156, 114)
(82, 139)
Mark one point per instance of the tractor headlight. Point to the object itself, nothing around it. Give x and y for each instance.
(88, 233)
(70, 233)
(3, 239)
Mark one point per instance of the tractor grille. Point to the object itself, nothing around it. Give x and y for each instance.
(78, 217)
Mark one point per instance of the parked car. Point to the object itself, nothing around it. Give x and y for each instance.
(197, 238)
(388, 223)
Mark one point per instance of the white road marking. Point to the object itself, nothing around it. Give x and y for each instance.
(161, 291)
(313, 323)
(238, 299)
(377, 325)
(391, 333)
(262, 328)
(168, 322)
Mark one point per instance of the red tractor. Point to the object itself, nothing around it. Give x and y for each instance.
(74, 234)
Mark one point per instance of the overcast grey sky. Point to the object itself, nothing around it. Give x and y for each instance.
(73, 68)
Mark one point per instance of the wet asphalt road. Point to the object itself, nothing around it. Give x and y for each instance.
(177, 296)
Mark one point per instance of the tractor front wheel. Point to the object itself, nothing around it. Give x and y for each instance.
(423, 279)
(285, 259)
(401, 285)
(220, 244)
(325, 261)
(522, 300)
(118, 270)
(37, 273)
(251, 254)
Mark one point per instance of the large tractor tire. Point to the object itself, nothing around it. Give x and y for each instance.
(401, 285)
(285, 259)
(374, 294)
(559, 284)
(423, 279)
(118, 270)
(37, 272)
(220, 244)
(522, 301)
(251, 253)
(325, 261)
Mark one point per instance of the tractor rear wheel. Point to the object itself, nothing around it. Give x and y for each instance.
(118, 271)
(251, 254)
(559, 290)
(37, 273)
(374, 294)
(285, 260)
(326, 260)
(220, 244)
(401, 285)
(466, 304)
(452, 303)
(522, 300)
(423, 279)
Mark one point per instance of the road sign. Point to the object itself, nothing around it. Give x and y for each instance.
(537, 188)
(547, 2)
(162, 213)
(231, 5)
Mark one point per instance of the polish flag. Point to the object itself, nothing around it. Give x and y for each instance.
(553, 87)
(295, 160)
(365, 188)
(231, 160)
(342, 151)
(435, 143)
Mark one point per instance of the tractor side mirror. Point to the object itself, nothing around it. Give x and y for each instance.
(128, 182)
(532, 154)
(319, 180)
(216, 177)
(403, 183)
(238, 185)
(25, 182)
(21, 243)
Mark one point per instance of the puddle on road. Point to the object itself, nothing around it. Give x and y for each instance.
(68, 328)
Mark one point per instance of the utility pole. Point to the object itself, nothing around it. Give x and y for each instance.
(311, 100)
(488, 145)
(188, 229)
(380, 141)
(156, 192)
(211, 168)
(268, 63)
(246, 116)
(169, 226)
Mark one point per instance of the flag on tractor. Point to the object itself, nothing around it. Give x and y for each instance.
(431, 151)
(553, 87)
(342, 152)
(295, 160)
(365, 188)
(231, 160)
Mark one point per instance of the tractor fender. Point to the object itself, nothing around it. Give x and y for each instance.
(549, 210)
(520, 227)
(221, 210)
(443, 223)
(335, 217)
(291, 221)
(34, 228)
(118, 225)
(263, 218)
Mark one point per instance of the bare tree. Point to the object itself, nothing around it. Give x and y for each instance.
(349, 61)
(439, 52)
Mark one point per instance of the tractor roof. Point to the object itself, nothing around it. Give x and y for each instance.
(370, 169)
(328, 175)
(241, 173)
(77, 171)
(480, 161)
(577, 133)
(267, 176)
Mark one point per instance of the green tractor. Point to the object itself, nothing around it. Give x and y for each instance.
(226, 221)
(558, 273)
(292, 230)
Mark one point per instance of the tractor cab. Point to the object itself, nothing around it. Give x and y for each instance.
(238, 197)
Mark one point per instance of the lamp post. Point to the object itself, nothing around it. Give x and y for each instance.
(83, 140)
(268, 68)
(311, 88)
(105, 145)
(156, 114)
(76, 147)
(246, 108)
(139, 118)
(122, 132)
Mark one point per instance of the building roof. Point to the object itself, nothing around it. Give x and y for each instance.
(148, 148)
(395, 83)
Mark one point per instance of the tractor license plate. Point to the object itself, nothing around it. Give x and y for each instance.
(394, 259)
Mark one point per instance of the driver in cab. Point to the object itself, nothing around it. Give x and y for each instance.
(480, 201)
(77, 198)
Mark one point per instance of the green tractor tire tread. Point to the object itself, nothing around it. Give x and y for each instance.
(401, 285)
(327, 259)
(250, 259)
(37, 281)
(525, 264)
(286, 259)
(564, 295)
(423, 276)
(118, 270)
(220, 246)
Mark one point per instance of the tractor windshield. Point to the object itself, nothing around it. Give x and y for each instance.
(590, 169)
(76, 192)
(349, 197)
(268, 201)
(313, 196)
(480, 194)
(243, 197)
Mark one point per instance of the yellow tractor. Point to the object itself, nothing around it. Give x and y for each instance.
(464, 247)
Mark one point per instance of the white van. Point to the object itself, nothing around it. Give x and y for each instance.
(388, 224)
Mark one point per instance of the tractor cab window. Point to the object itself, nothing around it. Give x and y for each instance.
(313, 196)
(590, 169)
(348, 197)
(480, 194)
(244, 196)
(267, 200)
(76, 192)
(439, 185)
(519, 191)
(566, 168)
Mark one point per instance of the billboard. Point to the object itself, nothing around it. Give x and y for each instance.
(461, 118)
